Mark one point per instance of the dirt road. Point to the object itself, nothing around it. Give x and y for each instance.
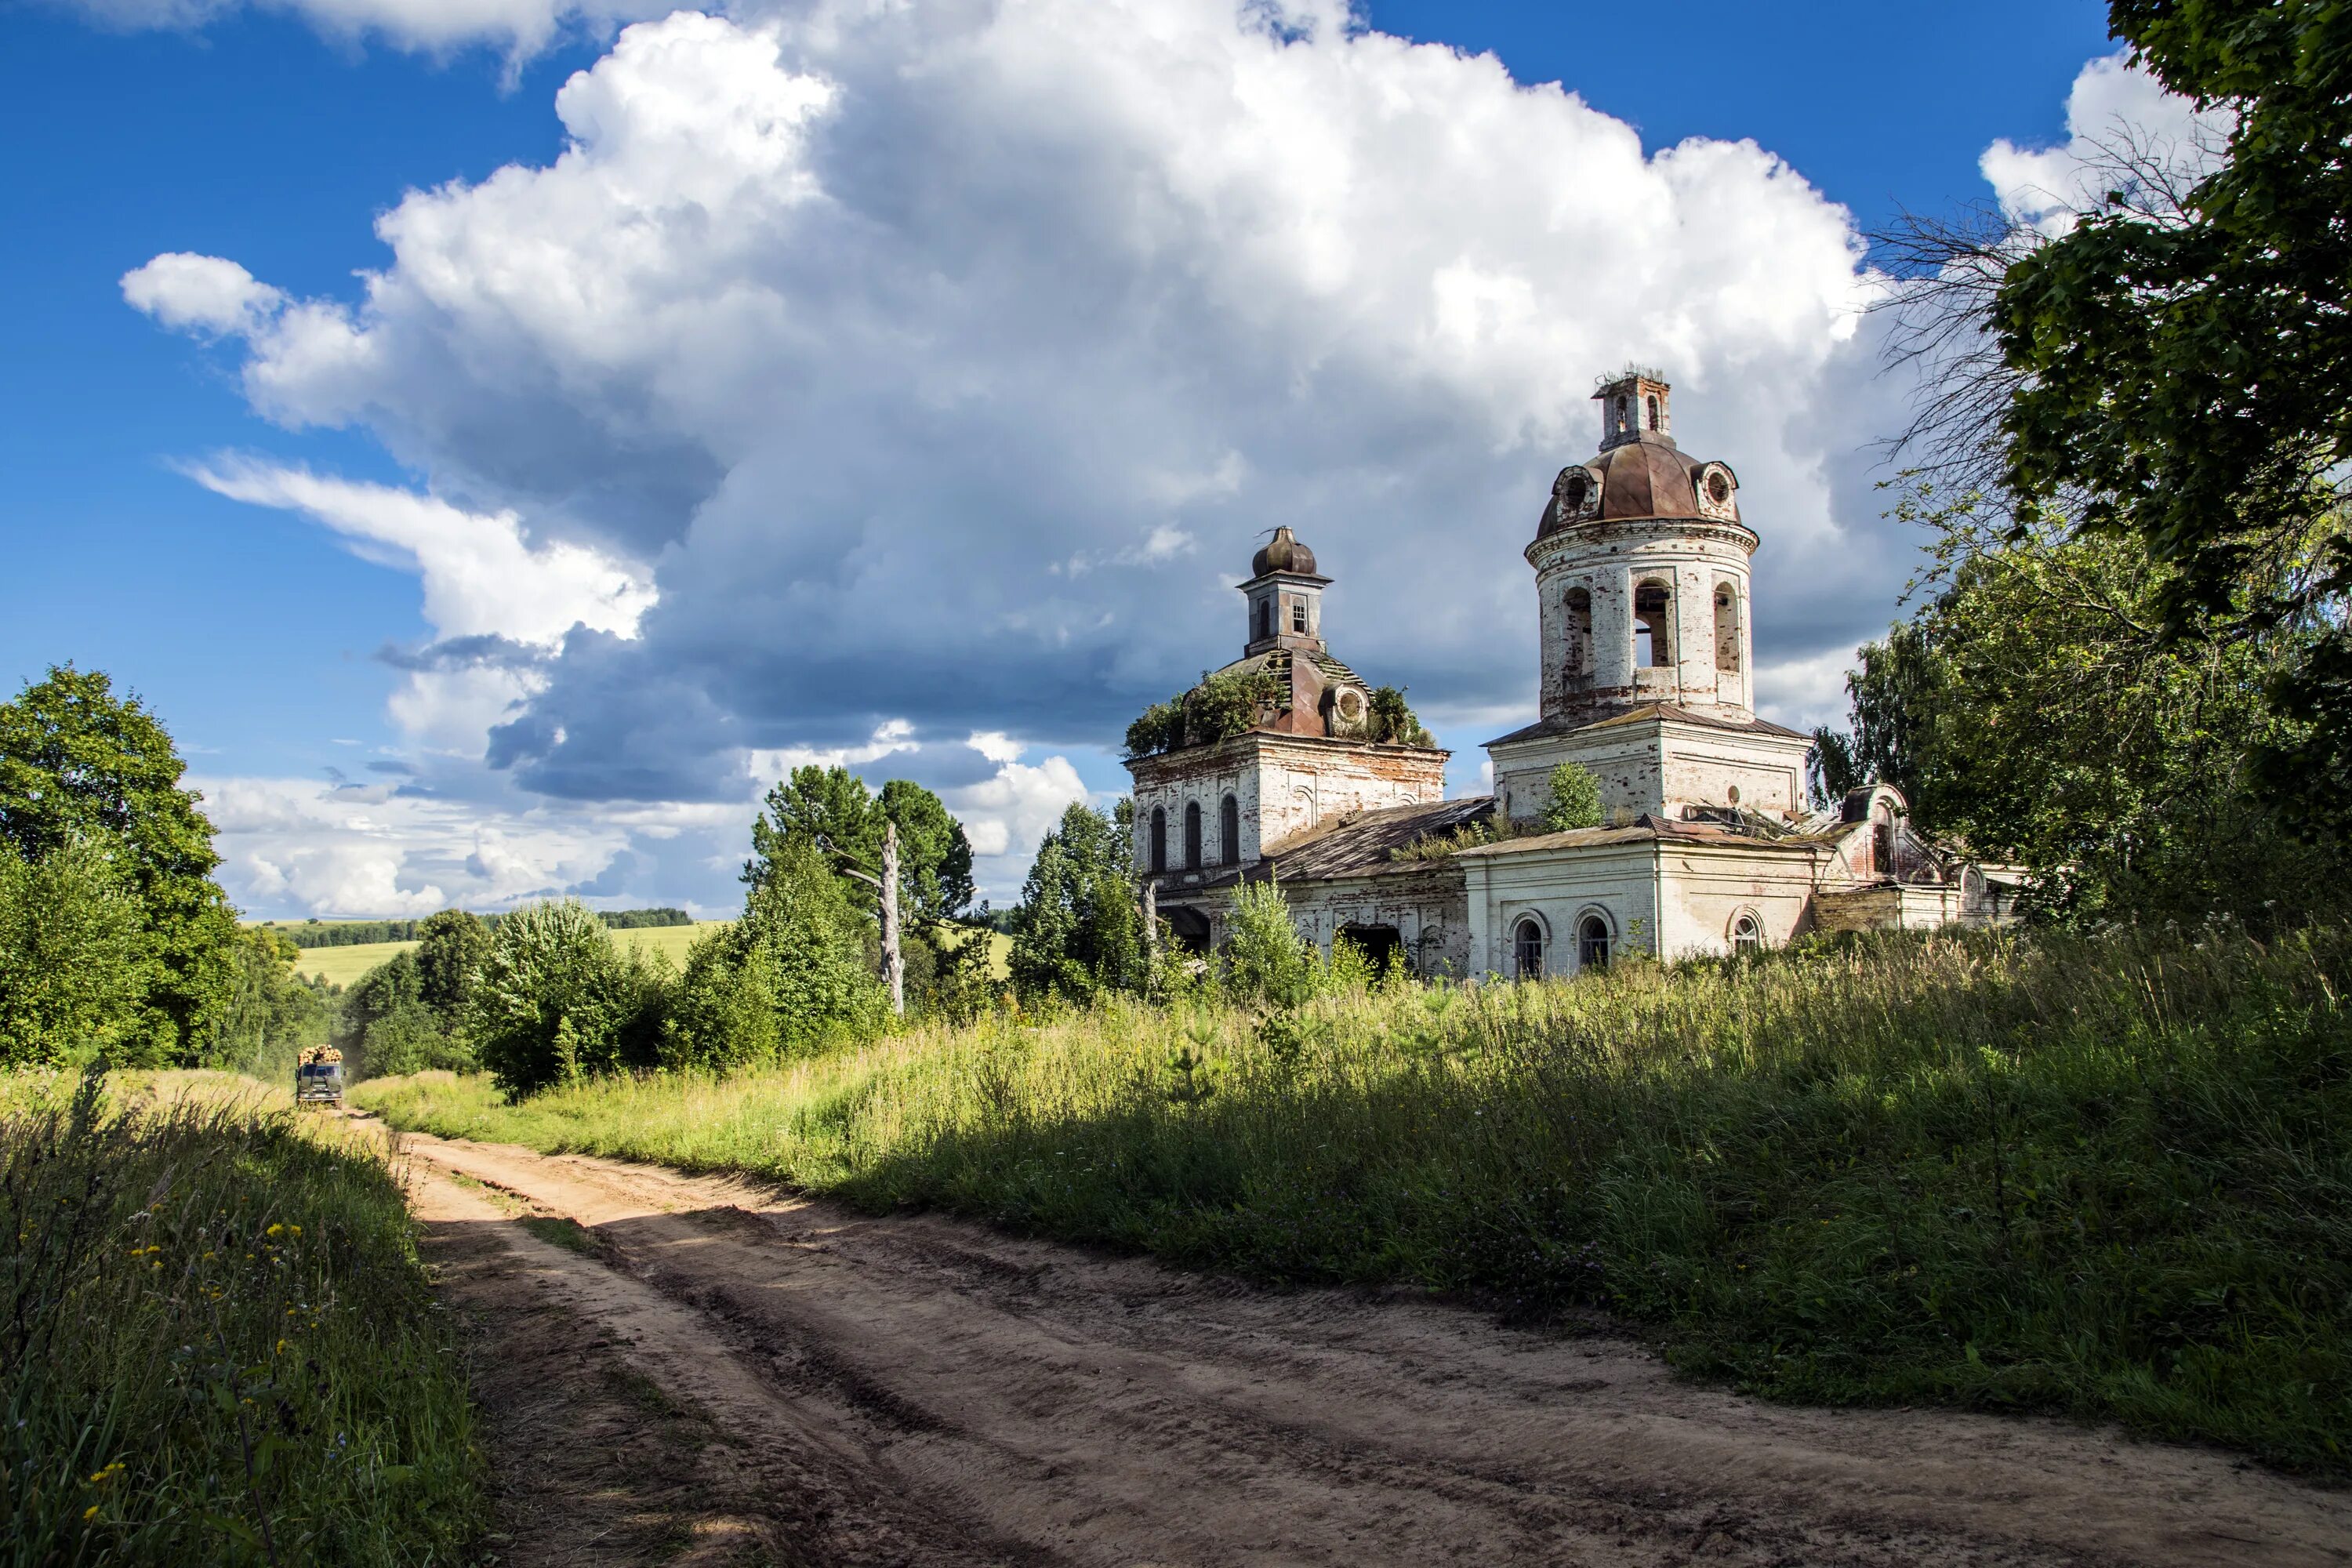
(712, 1372)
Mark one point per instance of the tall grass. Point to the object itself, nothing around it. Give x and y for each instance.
(2107, 1177)
(218, 1345)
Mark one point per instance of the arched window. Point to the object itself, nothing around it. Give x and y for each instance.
(1882, 839)
(1191, 836)
(1229, 830)
(1653, 402)
(1726, 628)
(1578, 657)
(1654, 638)
(1624, 419)
(1158, 839)
(1592, 942)
(1526, 951)
(1264, 618)
(1747, 936)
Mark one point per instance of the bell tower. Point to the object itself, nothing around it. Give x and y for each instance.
(1642, 564)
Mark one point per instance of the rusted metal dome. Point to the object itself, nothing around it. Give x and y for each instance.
(1640, 479)
(1283, 553)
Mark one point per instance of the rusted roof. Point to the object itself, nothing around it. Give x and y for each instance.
(1645, 828)
(1646, 477)
(1357, 845)
(1674, 711)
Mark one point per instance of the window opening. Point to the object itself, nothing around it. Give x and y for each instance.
(1747, 936)
(1264, 618)
(1579, 632)
(1158, 839)
(1298, 615)
(1229, 830)
(1191, 836)
(1654, 413)
(1526, 946)
(1653, 646)
(1592, 944)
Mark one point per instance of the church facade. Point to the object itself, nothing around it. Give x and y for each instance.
(1284, 765)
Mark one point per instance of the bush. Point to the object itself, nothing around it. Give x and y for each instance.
(74, 956)
(1267, 959)
(223, 1348)
(1574, 801)
(556, 1000)
(788, 978)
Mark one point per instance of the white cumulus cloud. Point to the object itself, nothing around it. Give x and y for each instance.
(2113, 107)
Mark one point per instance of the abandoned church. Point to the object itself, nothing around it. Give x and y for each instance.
(1284, 765)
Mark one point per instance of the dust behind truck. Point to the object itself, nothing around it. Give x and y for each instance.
(319, 1077)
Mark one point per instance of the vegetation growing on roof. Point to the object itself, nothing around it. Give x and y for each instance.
(1394, 722)
(1442, 845)
(1228, 703)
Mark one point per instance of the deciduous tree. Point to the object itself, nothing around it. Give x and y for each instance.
(77, 762)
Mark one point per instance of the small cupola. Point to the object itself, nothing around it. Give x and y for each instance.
(1285, 595)
(1635, 405)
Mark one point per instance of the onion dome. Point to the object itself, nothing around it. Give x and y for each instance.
(1283, 553)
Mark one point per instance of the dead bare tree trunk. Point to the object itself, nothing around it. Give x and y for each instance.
(1151, 930)
(894, 960)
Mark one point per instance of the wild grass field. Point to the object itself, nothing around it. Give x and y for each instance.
(2106, 1176)
(220, 1345)
(342, 966)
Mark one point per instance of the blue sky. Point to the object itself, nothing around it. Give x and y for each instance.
(252, 136)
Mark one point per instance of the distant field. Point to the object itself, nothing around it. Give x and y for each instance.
(342, 965)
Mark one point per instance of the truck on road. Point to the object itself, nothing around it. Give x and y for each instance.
(319, 1077)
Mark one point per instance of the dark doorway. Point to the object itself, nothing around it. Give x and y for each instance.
(1381, 945)
(1190, 928)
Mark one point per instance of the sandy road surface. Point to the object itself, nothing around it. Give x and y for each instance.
(844, 1389)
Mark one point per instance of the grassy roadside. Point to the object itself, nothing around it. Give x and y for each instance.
(2110, 1177)
(219, 1345)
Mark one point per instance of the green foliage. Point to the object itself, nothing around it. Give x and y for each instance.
(2098, 1175)
(1464, 835)
(1394, 722)
(641, 920)
(2179, 373)
(831, 811)
(963, 985)
(74, 956)
(272, 1012)
(2033, 708)
(556, 999)
(1267, 959)
(78, 763)
(223, 1348)
(1159, 728)
(790, 977)
(1573, 800)
(1234, 703)
(934, 855)
(450, 949)
(1079, 930)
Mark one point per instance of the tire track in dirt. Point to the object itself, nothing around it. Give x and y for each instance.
(945, 1395)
